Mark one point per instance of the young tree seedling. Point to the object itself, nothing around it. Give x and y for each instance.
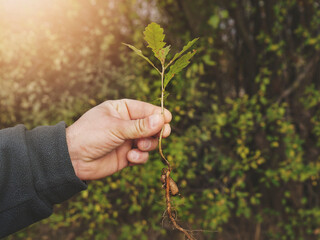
(154, 36)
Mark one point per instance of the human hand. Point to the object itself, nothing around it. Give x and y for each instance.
(101, 142)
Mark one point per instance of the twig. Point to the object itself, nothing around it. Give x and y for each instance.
(299, 79)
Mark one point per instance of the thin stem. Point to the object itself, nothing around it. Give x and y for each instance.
(169, 64)
(168, 202)
(155, 67)
(162, 90)
(160, 150)
(162, 112)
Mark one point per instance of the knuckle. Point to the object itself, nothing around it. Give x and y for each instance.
(140, 126)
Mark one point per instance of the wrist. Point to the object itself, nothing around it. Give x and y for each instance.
(72, 151)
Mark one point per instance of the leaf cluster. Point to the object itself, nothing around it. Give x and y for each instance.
(154, 36)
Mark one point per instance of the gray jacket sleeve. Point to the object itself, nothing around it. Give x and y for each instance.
(35, 173)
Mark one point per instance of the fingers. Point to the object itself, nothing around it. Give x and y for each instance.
(151, 143)
(147, 144)
(135, 156)
(166, 131)
(140, 155)
(138, 109)
(140, 128)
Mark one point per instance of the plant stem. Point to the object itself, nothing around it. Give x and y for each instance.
(162, 112)
(162, 90)
(168, 202)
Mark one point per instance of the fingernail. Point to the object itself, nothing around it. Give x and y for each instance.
(134, 155)
(154, 120)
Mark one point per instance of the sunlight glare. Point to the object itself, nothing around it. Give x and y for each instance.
(22, 6)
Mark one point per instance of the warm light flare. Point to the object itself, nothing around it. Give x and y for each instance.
(21, 4)
(22, 7)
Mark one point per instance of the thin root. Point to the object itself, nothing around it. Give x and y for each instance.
(162, 221)
(169, 208)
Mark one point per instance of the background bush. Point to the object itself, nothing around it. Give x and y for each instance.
(246, 126)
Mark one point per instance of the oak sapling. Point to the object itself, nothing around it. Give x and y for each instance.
(154, 36)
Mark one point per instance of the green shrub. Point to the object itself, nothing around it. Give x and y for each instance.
(245, 140)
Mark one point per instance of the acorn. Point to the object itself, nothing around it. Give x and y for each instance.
(174, 190)
(173, 187)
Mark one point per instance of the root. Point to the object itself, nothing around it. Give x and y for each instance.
(162, 221)
(169, 209)
(168, 194)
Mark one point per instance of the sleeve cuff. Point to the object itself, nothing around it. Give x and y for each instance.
(54, 177)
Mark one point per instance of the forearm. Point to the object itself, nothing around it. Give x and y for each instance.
(35, 173)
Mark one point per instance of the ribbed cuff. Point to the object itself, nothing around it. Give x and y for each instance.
(54, 177)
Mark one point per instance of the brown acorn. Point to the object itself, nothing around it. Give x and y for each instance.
(173, 187)
(174, 190)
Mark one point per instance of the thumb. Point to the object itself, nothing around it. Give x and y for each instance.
(140, 128)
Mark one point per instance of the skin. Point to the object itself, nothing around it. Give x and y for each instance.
(114, 135)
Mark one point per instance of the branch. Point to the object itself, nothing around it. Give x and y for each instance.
(302, 75)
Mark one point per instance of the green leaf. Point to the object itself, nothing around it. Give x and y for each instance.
(185, 48)
(224, 14)
(139, 52)
(163, 53)
(207, 59)
(214, 21)
(180, 64)
(154, 36)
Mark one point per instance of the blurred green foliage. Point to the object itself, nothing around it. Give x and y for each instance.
(246, 126)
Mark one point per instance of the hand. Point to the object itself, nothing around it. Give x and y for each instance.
(101, 142)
